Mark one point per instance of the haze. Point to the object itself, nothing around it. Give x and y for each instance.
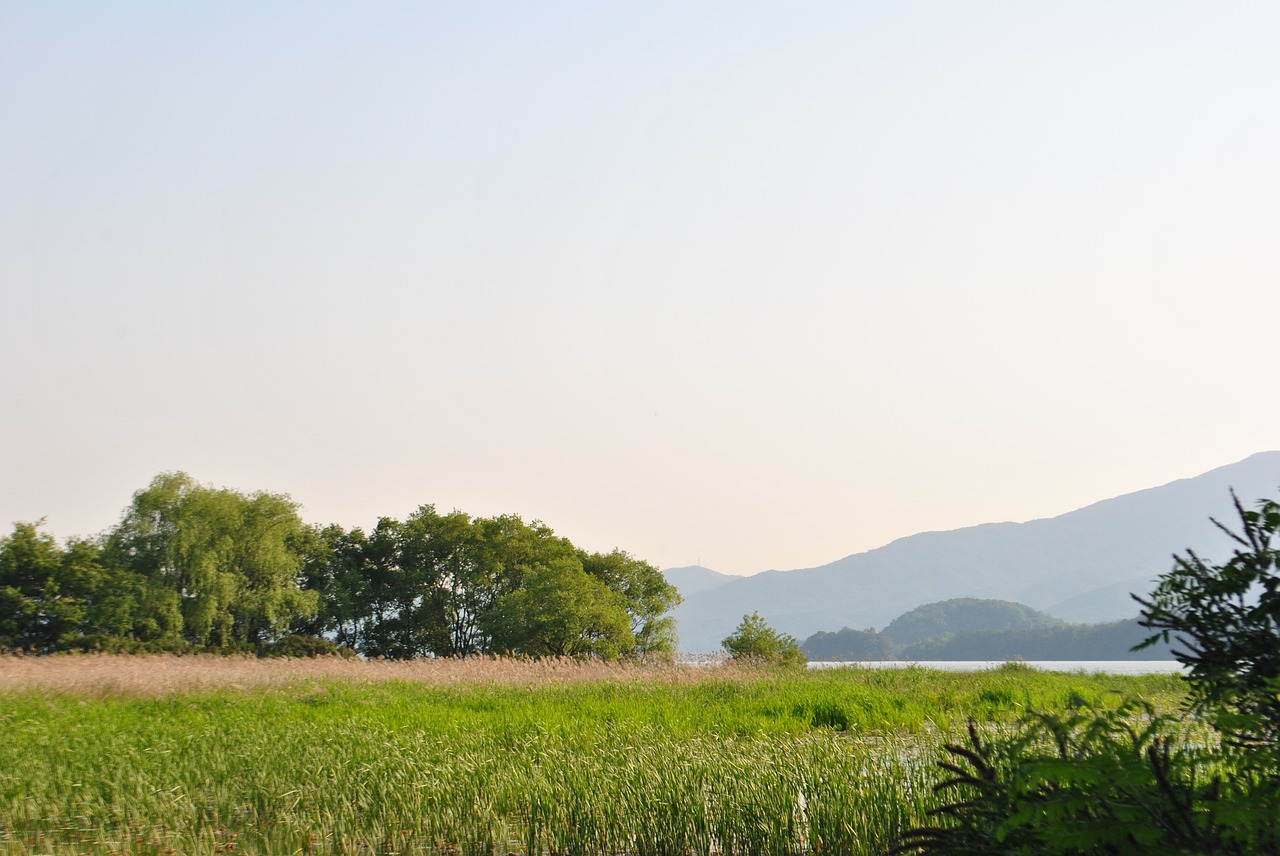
(739, 284)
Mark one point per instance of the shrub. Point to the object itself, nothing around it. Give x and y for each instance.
(1225, 623)
(754, 641)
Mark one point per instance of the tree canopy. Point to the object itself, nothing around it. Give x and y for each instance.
(229, 557)
(194, 567)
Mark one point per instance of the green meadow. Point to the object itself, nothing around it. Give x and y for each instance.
(515, 759)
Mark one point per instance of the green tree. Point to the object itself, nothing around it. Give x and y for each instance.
(360, 587)
(648, 597)
(848, 644)
(447, 548)
(229, 557)
(41, 609)
(381, 593)
(267, 566)
(506, 551)
(331, 568)
(754, 641)
(56, 598)
(560, 611)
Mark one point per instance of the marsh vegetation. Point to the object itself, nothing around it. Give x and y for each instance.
(162, 754)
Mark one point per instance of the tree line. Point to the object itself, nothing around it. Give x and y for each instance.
(190, 567)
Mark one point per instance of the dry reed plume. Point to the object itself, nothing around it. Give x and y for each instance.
(163, 674)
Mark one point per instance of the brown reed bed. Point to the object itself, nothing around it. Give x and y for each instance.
(165, 674)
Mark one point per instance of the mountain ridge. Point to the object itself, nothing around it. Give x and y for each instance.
(1079, 566)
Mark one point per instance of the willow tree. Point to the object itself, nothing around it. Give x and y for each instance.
(230, 558)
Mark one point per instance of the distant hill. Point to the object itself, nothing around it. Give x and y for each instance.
(965, 614)
(975, 629)
(1079, 566)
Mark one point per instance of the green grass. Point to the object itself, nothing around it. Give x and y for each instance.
(832, 761)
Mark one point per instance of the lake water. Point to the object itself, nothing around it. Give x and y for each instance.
(1113, 667)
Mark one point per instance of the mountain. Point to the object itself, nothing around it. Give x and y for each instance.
(1079, 566)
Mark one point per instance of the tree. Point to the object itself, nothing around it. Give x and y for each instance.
(754, 641)
(229, 558)
(384, 594)
(335, 568)
(193, 567)
(40, 607)
(648, 597)
(55, 598)
(450, 549)
(450, 585)
(561, 611)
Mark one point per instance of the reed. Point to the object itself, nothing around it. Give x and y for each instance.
(200, 755)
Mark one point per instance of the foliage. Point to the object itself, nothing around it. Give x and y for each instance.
(560, 611)
(1119, 782)
(57, 598)
(848, 645)
(450, 585)
(299, 645)
(754, 641)
(228, 556)
(1226, 620)
(40, 605)
(196, 568)
(1128, 782)
(647, 596)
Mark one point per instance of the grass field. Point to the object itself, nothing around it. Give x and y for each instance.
(202, 755)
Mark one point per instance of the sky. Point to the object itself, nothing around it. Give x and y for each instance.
(747, 285)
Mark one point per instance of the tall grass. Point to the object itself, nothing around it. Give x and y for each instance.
(486, 757)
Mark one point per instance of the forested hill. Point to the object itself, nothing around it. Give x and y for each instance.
(1080, 566)
(973, 629)
(963, 615)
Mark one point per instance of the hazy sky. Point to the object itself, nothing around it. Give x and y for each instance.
(752, 284)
